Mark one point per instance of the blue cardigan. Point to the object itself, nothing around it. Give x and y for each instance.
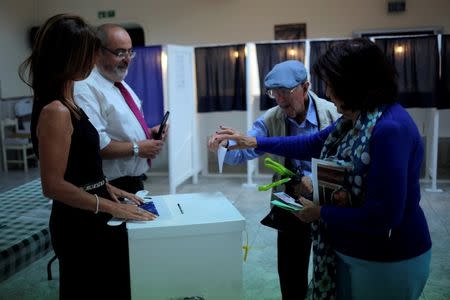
(390, 226)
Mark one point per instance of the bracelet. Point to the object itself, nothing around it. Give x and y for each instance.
(96, 208)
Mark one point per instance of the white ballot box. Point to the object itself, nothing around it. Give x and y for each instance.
(194, 249)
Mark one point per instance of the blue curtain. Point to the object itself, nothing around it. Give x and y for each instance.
(221, 84)
(268, 56)
(416, 60)
(145, 78)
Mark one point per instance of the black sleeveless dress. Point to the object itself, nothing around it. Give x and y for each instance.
(93, 256)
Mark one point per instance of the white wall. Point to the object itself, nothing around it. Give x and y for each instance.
(16, 18)
(199, 22)
(230, 21)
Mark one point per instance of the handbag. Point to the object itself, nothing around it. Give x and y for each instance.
(282, 220)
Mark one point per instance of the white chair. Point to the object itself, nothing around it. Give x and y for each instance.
(14, 140)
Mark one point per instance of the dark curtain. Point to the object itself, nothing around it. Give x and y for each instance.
(221, 84)
(444, 95)
(145, 78)
(317, 49)
(417, 62)
(268, 56)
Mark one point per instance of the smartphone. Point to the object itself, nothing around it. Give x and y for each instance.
(158, 135)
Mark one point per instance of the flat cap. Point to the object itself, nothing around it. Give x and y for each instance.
(287, 74)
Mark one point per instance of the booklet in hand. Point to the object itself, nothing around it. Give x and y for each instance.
(286, 202)
(328, 182)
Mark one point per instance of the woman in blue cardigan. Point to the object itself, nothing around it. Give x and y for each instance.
(378, 247)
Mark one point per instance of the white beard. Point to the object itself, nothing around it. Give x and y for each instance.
(120, 73)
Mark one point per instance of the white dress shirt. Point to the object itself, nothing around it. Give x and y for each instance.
(112, 117)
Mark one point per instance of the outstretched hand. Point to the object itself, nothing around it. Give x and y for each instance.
(241, 141)
(213, 144)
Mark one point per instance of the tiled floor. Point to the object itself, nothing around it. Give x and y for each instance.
(14, 178)
(260, 276)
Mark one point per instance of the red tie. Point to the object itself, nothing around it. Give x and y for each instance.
(137, 113)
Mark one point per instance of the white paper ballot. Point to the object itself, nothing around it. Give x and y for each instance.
(221, 151)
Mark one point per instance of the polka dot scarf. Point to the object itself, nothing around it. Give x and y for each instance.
(348, 144)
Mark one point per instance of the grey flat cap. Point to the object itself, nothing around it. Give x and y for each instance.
(287, 74)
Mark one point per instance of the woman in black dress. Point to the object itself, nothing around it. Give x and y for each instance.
(92, 255)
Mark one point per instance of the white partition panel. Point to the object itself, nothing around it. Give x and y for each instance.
(251, 67)
(183, 162)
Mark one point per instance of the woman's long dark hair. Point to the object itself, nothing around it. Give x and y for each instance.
(64, 50)
(359, 74)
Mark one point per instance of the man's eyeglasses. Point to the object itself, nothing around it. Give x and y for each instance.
(122, 53)
(280, 92)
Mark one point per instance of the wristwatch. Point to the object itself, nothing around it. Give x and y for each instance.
(135, 149)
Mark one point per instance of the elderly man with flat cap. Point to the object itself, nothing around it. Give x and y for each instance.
(299, 112)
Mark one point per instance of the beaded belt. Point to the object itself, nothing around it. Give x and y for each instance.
(95, 185)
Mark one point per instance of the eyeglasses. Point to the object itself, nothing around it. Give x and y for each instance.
(281, 92)
(122, 53)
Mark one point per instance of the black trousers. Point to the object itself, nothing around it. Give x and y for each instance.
(294, 248)
(131, 184)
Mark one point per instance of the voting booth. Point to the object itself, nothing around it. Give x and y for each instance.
(194, 249)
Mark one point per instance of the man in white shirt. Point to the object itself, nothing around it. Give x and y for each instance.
(125, 146)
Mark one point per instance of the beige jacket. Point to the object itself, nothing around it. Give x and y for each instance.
(275, 120)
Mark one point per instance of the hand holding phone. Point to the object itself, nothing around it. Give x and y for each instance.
(162, 126)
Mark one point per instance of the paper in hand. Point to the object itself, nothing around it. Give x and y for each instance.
(287, 199)
(221, 151)
(285, 206)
